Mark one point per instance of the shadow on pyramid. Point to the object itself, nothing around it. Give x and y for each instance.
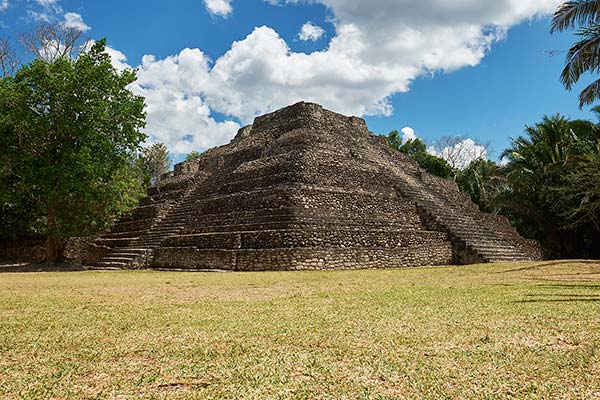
(306, 188)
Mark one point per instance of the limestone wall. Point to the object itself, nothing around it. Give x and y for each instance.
(301, 258)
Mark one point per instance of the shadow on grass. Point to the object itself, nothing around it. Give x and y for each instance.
(565, 300)
(569, 286)
(553, 263)
(562, 297)
(16, 266)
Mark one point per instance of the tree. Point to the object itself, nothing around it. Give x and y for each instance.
(9, 62)
(70, 133)
(394, 139)
(50, 42)
(546, 177)
(412, 147)
(584, 55)
(460, 151)
(154, 161)
(434, 165)
(192, 155)
(416, 149)
(578, 199)
(480, 181)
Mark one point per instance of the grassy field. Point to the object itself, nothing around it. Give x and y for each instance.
(484, 331)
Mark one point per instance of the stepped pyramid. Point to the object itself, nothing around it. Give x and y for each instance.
(306, 188)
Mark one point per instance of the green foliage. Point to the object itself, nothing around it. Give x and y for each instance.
(192, 155)
(434, 165)
(153, 162)
(70, 132)
(394, 139)
(583, 56)
(416, 149)
(548, 175)
(480, 181)
(413, 147)
(581, 193)
(550, 188)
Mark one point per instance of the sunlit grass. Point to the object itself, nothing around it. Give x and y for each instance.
(484, 331)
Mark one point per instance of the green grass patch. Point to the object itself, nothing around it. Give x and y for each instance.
(484, 331)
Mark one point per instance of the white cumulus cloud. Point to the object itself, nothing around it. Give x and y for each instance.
(117, 59)
(74, 20)
(408, 133)
(379, 48)
(177, 113)
(310, 31)
(221, 8)
(3, 5)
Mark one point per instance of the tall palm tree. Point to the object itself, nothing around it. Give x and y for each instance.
(584, 55)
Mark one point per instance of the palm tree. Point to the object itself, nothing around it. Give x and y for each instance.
(535, 177)
(584, 55)
(550, 144)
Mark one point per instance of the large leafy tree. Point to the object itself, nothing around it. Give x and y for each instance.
(584, 55)
(547, 176)
(70, 133)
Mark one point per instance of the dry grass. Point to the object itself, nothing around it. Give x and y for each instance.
(484, 331)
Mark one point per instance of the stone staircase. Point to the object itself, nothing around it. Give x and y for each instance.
(484, 237)
(137, 251)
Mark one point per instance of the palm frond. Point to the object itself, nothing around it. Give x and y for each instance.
(577, 12)
(596, 111)
(590, 94)
(583, 56)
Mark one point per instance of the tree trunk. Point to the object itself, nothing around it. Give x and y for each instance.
(54, 250)
(54, 246)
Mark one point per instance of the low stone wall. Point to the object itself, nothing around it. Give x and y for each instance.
(83, 251)
(301, 258)
(33, 251)
(78, 251)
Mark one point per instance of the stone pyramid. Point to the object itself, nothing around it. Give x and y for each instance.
(306, 188)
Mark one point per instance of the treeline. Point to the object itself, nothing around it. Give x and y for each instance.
(549, 187)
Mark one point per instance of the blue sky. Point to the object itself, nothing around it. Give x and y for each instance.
(482, 71)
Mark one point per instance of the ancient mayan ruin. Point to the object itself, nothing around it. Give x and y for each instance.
(306, 188)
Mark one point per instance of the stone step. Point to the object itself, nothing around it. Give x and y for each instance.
(111, 258)
(499, 252)
(153, 243)
(510, 259)
(166, 227)
(124, 235)
(99, 267)
(488, 238)
(496, 249)
(128, 255)
(119, 242)
(126, 226)
(111, 264)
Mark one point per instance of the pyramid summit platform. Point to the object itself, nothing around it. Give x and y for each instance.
(306, 188)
